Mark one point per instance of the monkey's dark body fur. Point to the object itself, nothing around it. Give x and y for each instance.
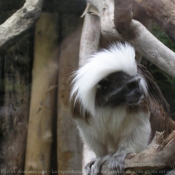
(159, 109)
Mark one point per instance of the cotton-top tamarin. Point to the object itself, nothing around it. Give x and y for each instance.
(117, 106)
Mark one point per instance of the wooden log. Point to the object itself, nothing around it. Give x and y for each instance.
(44, 85)
(69, 146)
(69, 24)
(15, 82)
(19, 23)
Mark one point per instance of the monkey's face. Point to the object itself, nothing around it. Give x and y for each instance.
(119, 88)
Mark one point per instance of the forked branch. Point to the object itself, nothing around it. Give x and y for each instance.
(132, 31)
(123, 16)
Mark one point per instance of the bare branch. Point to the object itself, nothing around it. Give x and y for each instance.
(122, 16)
(152, 49)
(19, 22)
(152, 158)
(144, 42)
(90, 37)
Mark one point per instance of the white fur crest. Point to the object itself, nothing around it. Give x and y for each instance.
(119, 57)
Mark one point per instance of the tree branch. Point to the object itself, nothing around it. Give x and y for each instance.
(90, 38)
(144, 42)
(151, 48)
(19, 23)
(122, 16)
(163, 12)
(155, 157)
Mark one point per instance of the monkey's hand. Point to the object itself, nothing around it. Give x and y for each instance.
(95, 165)
(117, 161)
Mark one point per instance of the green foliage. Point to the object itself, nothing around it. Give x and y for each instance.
(165, 82)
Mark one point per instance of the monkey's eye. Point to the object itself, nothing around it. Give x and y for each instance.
(102, 84)
(98, 86)
(131, 85)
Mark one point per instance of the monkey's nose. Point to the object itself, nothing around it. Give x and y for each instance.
(138, 93)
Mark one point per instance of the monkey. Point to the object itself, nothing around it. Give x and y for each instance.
(117, 106)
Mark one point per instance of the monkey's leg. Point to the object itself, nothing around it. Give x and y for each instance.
(95, 146)
(94, 167)
(117, 161)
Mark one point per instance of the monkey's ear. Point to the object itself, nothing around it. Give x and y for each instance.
(153, 89)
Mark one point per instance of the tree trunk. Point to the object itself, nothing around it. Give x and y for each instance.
(44, 85)
(69, 146)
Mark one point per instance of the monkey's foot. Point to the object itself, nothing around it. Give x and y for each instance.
(94, 166)
(117, 162)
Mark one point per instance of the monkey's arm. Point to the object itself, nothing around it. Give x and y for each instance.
(135, 142)
(93, 163)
